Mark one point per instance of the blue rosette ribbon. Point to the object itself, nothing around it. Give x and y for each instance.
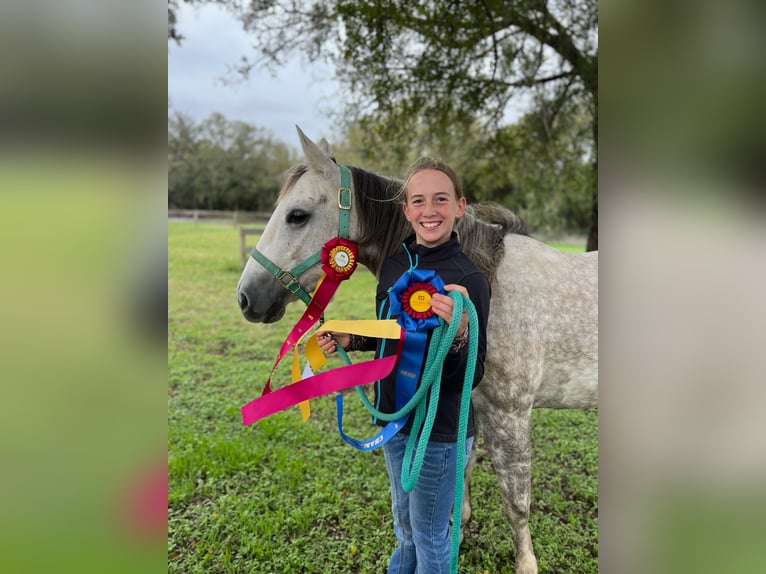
(409, 298)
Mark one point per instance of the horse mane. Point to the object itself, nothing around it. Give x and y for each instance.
(293, 175)
(382, 223)
(481, 229)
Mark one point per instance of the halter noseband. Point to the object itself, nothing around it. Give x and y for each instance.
(288, 278)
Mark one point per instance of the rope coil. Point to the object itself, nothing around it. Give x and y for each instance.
(423, 421)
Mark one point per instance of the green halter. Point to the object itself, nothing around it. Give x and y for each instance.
(288, 278)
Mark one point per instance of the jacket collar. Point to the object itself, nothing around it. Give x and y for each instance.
(427, 254)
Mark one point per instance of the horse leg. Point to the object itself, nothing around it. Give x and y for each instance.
(507, 438)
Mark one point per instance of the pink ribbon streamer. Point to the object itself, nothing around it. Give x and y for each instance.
(311, 315)
(318, 385)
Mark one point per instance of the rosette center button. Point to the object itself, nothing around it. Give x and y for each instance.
(341, 259)
(420, 301)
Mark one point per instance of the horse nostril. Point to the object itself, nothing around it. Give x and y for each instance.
(243, 302)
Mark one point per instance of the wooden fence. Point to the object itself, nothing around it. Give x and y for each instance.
(244, 246)
(236, 217)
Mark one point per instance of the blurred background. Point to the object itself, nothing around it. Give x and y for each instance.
(83, 292)
(681, 184)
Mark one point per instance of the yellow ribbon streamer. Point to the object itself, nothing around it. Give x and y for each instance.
(314, 354)
(387, 329)
(296, 376)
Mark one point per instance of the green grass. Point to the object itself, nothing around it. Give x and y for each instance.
(284, 496)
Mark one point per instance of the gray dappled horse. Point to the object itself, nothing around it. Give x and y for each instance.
(542, 336)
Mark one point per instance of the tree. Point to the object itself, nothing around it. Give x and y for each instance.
(545, 167)
(223, 164)
(539, 168)
(443, 62)
(183, 149)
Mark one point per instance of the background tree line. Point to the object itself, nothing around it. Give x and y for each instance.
(540, 170)
(223, 164)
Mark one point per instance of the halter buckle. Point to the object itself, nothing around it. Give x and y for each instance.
(287, 279)
(344, 198)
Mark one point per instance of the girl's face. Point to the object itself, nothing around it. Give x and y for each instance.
(432, 207)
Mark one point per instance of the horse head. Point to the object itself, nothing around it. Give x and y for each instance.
(306, 216)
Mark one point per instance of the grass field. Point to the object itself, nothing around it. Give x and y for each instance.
(284, 496)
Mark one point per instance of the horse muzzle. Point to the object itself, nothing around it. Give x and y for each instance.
(260, 307)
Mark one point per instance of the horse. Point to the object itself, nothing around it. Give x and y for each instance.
(542, 335)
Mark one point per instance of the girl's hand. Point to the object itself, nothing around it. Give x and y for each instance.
(443, 305)
(329, 340)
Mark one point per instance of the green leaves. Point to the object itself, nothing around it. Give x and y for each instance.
(223, 164)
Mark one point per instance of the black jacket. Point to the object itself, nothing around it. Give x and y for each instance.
(453, 266)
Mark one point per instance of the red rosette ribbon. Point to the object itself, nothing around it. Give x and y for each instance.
(339, 259)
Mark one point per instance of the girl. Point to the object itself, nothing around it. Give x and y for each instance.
(433, 200)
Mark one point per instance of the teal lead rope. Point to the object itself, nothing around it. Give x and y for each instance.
(465, 403)
(423, 421)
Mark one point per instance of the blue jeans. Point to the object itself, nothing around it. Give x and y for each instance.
(422, 517)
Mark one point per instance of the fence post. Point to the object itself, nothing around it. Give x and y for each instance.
(244, 250)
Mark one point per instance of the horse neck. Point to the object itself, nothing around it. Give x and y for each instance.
(382, 226)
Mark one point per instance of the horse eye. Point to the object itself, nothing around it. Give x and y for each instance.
(298, 217)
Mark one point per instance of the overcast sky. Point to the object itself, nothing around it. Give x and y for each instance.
(214, 42)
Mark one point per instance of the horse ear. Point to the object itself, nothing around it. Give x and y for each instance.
(318, 158)
(324, 145)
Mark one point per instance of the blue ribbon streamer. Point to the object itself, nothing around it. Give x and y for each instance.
(411, 360)
(385, 434)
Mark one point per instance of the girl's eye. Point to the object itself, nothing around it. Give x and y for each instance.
(298, 217)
